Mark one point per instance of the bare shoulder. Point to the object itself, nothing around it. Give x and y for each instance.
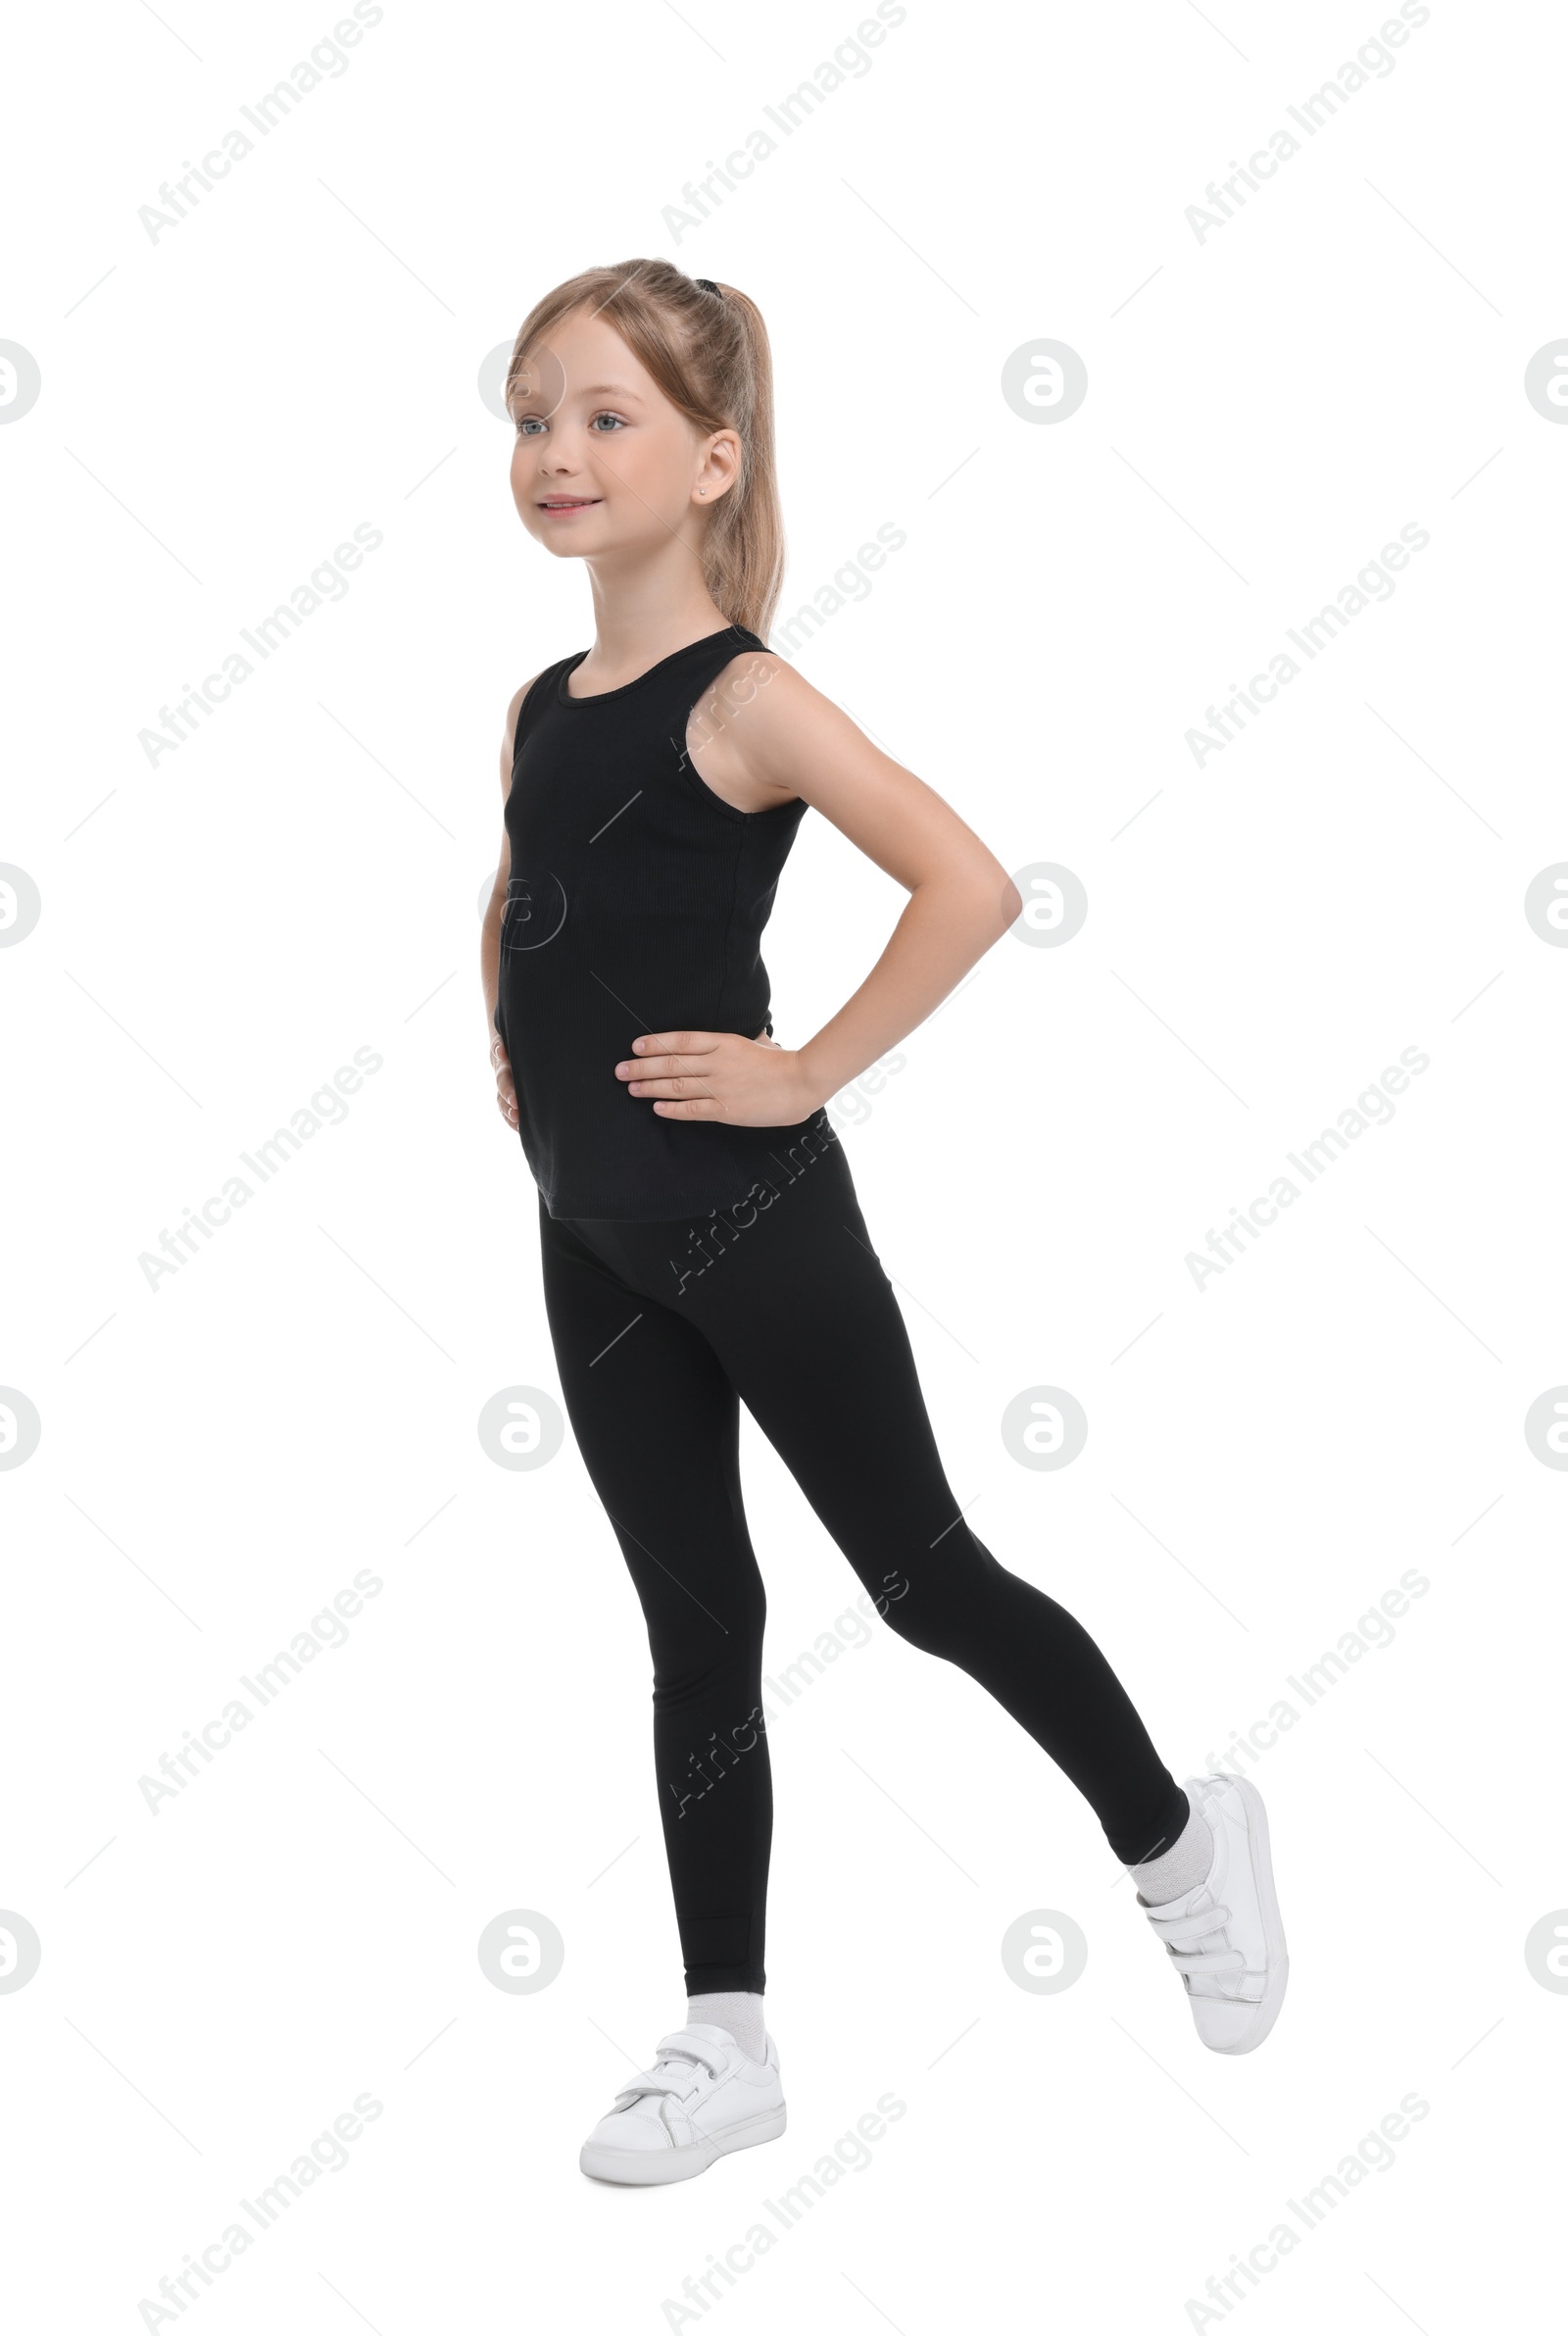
(783, 738)
(761, 677)
(757, 723)
(794, 716)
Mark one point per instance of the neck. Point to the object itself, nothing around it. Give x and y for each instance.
(644, 612)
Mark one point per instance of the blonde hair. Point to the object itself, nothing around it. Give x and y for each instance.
(708, 353)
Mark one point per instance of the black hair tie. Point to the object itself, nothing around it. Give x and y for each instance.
(706, 283)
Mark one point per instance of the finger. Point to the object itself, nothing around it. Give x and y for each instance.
(675, 1042)
(643, 1067)
(676, 1084)
(696, 1107)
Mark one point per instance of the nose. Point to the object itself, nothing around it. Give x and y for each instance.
(559, 452)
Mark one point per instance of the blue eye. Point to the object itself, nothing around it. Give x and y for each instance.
(527, 425)
(614, 419)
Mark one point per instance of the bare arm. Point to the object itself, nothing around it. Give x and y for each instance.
(787, 739)
(490, 930)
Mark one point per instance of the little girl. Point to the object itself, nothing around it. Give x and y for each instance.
(702, 1244)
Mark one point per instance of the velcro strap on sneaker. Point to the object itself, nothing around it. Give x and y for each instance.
(694, 2048)
(669, 2076)
(1184, 1931)
(653, 2081)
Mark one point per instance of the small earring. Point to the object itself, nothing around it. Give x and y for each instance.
(702, 491)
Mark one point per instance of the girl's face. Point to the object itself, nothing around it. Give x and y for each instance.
(603, 460)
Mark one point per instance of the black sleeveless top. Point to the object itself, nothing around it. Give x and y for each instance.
(636, 902)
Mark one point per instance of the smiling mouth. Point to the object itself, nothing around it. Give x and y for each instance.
(568, 502)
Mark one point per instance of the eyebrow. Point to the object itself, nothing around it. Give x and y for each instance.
(600, 389)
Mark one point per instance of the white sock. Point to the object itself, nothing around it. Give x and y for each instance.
(1180, 1868)
(742, 2014)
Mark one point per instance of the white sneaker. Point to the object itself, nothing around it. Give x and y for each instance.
(700, 2099)
(1225, 1937)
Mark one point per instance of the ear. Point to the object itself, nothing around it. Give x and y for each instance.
(719, 467)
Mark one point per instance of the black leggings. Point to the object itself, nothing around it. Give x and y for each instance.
(661, 1330)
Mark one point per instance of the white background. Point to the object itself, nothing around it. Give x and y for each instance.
(219, 1456)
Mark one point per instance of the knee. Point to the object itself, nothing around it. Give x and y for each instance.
(703, 1626)
(917, 1616)
(922, 1623)
(935, 1607)
(694, 1652)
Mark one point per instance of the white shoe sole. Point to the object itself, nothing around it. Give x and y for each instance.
(680, 2165)
(1279, 1962)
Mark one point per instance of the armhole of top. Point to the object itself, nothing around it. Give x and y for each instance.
(715, 665)
(750, 646)
(531, 704)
